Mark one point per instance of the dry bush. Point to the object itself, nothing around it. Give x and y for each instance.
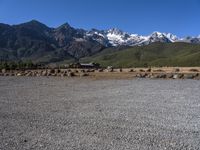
(149, 70)
(194, 70)
(176, 70)
(158, 70)
(141, 70)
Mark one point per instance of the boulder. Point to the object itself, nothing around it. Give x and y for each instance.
(144, 75)
(163, 76)
(29, 74)
(44, 73)
(19, 74)
(26, 71)
(37, 74)
(63, 74)
(12, 74)
(197, 77)
(40, 72)
(3, 70)
(110, 69)
(189, 76)
(180, 76)
(56, 71)
(76, 71)
(50, 71)
(149, 76)
(81, 71)
(83, 74)
(70, 74)
(92, 70)
(169, 76)
(175, 76)
(100, 70)
(141, 75)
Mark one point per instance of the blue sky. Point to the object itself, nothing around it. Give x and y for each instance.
(181, 17)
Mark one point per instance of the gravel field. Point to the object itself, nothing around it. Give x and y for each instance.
(43, 113)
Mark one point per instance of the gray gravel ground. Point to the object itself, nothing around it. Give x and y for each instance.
(83, 114)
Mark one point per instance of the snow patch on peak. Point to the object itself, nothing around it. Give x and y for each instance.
(123, 38)
(163, 37)
(172, 37)
(156, 33)
(115, 31)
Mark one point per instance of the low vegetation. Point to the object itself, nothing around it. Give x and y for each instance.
(156, 54)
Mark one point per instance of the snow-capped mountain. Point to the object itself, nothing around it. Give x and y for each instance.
(116, 37)
(193, 40)
(99, 36)
(162, 37)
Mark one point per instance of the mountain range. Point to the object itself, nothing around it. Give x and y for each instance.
(35, 41)
(116, 37)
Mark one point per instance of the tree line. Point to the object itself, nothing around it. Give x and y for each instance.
(13, 65)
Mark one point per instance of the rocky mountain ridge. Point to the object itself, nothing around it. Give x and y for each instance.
(36, 41)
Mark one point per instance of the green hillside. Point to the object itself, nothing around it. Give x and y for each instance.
(156, 54)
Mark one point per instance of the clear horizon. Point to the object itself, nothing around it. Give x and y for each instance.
(179, 17)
